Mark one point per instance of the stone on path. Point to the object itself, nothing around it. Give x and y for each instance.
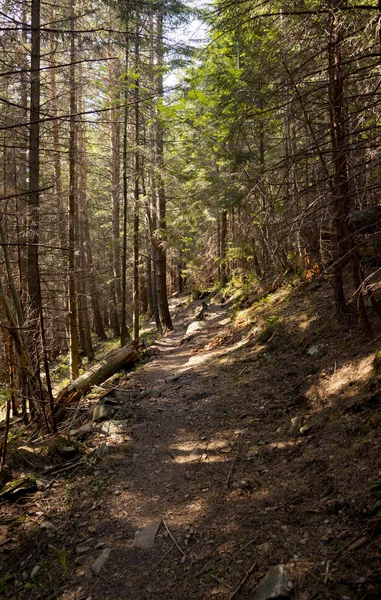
(296, 424)
(102, 412)
(172, 378)
(114, 427)
(99, 562)
(145, 538)
(195, 326)
(315, 350)
(275, 584)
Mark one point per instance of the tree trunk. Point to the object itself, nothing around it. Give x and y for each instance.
(224, 230)
(99, 373)
(74, 349)
(162, 224)
(124, 333)
(345, 240)
(136, 313)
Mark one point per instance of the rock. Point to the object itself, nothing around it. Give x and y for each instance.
(68, 451)
(296, 424)
(315, 350)
(102, 450)
(306, 428)
(17, 489)
(145, 538)
(82, 549)
(111, 427)
(172, 378)
(195, 326)
(264, 548)
(123, 395)
(42, 484)
(99, 562)
(35, 571)
(102, 412)
(109, 401)
(48, 525)
(275, 584)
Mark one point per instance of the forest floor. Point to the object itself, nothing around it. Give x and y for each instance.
(252, 442)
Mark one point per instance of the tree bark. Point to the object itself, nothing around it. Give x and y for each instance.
(165, 315)
(110, 365)
(73, 327)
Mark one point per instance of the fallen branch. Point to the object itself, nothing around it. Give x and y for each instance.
(248, 573)
(99, 373)
(174, 541)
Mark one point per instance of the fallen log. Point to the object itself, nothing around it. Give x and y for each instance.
(99, 373)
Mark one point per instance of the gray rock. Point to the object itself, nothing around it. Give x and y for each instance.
(48, 525)
(150, 394)
(101, 451)
(82, 549)
(102, 412)
(109, 401)
(99, 562)
(315, 350)
(264, 548)
(35, 571)
(306, 428)
(68, 451)
(195, 326)
(123, 395)
(86, 428)
(145, 538)
(296, 424)
(275, 584)
(172, 378)
(111, 427)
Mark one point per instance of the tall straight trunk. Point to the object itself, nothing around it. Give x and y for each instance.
(152, 202)
(21, 180)
(61, 337)
(94, 294)
(114, 132)
(73, 328)
(162, 223)
(37, 333)
(83, 312)
(223, 234)
(34, 183)
(124, 333)
(345, 240)
(136, 313)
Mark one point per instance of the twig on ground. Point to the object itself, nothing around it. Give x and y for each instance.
(174, 541)
(232, 466)
(162, 558)
(326, 573)
(26, 460)
(68, 466)
(247, 575)
(222, 582)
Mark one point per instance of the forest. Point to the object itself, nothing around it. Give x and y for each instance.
(223, 152)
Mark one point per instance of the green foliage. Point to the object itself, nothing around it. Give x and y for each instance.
(5, 582)
(376, 490)
(62, 557)
(272, 323)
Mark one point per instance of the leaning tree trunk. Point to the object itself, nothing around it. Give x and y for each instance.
(98, 374)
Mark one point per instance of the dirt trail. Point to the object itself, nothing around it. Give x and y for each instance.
(172, 471)
(209, 454)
